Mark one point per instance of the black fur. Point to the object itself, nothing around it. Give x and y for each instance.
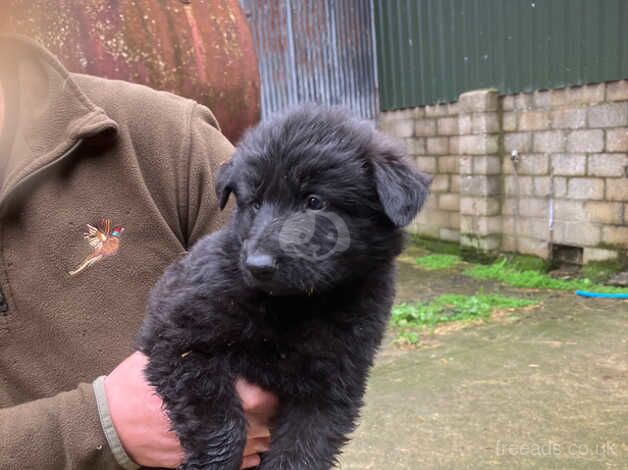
(306, 326)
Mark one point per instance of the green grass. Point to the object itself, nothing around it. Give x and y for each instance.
(449, 308)
(501, 271)
(438, 261)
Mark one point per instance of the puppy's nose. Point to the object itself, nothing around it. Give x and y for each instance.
(261, 265)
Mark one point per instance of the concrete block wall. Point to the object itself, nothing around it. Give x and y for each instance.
(568, 185)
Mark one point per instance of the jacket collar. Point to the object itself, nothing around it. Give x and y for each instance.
(53, 117)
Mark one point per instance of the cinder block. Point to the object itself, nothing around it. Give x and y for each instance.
(480, 185)
(466, 164)
(608, 115)
(480, 144)
(402, 128)
(427, 164)
(485, 123)
(570, 210)
(587, 94)
(448, 164)
(479, 206)
(534, 120)
(533, 207)
(542, 99)
(425, 127)
(604, 212)
(597, 254)
(558, 97)
(437, 145)
(415, 146)
(569, 164)
(617, 189)
(617, 91)
(525, 185)
(572, 118)
(560, 186)
(437, 110)
(440, 183)
(478, 101)
(465, 124)
(419, 112)
(542, 186)
(585, 141)
(522, 101)
(586, 188)
(509, 121)
(449, 202)
(577, 233)
(454, 183)
(449, 235)
(454, 220)
(487, 165)
(453, 108)
(533, 246)
(529, 164)
(615, 235)
(427, 230)
(508, 103)
(617, 140)
(519, 141)
(608, 164)
(549, 141)
(454, 145)
(447, 126)
(488, 225)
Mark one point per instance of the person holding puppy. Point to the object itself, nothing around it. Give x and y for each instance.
(102, 185)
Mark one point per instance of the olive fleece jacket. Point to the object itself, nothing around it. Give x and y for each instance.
(77, 149)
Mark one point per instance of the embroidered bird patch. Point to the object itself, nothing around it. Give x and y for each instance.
(104, 241)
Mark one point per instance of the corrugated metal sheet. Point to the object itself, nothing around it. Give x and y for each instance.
(432, 50)
(315, 51)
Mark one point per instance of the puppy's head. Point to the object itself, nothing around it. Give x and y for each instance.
(321, 198)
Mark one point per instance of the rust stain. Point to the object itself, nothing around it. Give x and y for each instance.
(199, 48)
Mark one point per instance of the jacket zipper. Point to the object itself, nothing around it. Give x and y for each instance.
(4, 306)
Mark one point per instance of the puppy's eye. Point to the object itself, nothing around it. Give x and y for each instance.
(256, 205)
(314, 203)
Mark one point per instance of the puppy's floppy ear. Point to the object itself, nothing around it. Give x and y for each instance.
(224, 183)
(401, 189)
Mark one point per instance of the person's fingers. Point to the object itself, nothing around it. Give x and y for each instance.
(251, 461)
(256, 446)
(257, 426)
(255, 399)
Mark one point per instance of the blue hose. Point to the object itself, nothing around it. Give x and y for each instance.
(601, 295)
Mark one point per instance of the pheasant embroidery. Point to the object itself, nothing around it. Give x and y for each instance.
(104, 241)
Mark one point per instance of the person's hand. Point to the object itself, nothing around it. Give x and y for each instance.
(143, 427)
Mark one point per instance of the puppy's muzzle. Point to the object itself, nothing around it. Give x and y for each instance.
(262, 266)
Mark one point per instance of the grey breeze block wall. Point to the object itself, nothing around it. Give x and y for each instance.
(569, 186)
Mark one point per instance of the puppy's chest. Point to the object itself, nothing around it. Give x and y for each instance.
(291, 360)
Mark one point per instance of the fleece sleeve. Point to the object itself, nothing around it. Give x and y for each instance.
(208, 149)
(60, 432)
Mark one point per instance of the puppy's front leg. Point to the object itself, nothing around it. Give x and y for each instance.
(204, 408)
(308, 436)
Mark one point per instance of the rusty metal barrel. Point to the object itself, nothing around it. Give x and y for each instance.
(200, 49)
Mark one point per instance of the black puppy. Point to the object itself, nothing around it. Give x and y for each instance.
(293, 294)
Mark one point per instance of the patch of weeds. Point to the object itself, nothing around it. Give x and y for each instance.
(449, 308)
(503, 272)
(601, 271)
(434, 245)
(437, 261)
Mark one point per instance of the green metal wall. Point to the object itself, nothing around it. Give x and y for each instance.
(430, 51)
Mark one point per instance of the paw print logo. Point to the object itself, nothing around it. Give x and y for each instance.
(314, 235)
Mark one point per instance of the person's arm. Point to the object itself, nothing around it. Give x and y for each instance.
(208, 149)
(60, 432)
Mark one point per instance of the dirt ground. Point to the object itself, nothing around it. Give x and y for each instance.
(544, 388)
